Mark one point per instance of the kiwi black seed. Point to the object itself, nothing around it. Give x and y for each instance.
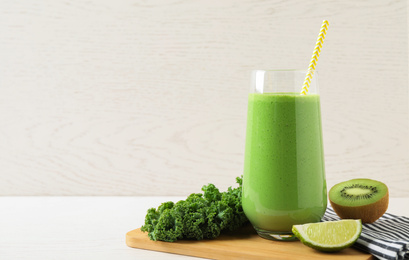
(363, 199)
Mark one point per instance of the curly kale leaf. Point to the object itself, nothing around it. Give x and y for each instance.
(200, 216)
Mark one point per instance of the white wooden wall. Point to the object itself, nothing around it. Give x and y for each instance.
(132, 97)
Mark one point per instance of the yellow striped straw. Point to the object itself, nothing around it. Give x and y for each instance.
(314, 58)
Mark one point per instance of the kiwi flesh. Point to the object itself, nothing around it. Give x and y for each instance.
(363, 199)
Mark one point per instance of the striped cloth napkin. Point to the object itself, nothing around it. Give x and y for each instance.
(386, 238)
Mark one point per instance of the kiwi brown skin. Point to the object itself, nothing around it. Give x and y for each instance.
(367, 213)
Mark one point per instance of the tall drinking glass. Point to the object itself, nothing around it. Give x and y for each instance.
(284, 176)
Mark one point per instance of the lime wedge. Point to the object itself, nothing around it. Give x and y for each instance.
(329, 236)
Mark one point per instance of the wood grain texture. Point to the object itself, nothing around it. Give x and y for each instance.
(242, 244)
(135, 97)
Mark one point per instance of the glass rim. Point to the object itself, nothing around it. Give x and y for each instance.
(286, 70)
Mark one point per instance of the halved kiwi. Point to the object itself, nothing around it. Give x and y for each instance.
(363, 199)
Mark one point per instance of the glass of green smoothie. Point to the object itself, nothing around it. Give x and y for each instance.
(284, 176)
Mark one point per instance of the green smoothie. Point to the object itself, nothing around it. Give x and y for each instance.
(284, 178)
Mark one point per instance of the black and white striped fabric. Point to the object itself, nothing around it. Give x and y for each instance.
(386, 238)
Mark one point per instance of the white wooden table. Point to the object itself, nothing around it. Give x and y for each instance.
(85, 227)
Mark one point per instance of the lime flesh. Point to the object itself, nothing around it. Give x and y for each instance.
(329, 236)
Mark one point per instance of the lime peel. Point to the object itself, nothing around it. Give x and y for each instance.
(329, 236)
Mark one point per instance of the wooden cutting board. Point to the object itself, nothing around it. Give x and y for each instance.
(241, 244)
